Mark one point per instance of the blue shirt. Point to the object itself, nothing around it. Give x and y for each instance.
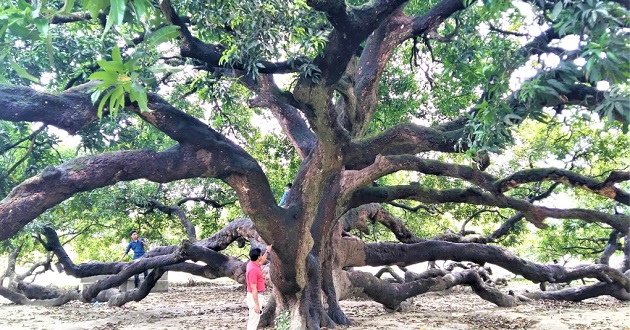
(284, 198)
(137, 247)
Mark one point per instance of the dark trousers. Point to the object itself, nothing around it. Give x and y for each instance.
(136, 278)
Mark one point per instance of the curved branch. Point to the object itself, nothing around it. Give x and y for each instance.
(193, 47)
(392, 294)
(611, 247)
(605, 188)
(379, 48)
(378, 254)
(55, 184)
(389, 164)
(283, 108)
(136, 267)
(134, 295)
(582, 293)
(214, 203)
(70, 110)
(237, 230)
(183, 219)
(533, 213)
(84, 270)
(203, 153)
(360, 216)
(401, 139)
(20, 299)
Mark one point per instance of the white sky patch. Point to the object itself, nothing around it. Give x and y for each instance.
(265, 125)
(67, 140)
(570, 42)
(524, 8)
(550, 60)
(580, 62)
(47, 77)
(283, 80)
(603, 85)
(483, 29)
(522, 74)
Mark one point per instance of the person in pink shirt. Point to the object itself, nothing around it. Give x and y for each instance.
(255, 285)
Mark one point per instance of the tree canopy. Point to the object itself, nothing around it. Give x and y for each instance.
(411, 131)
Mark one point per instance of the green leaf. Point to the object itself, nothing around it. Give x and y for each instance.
(42, 25)
(67, 6)
(612, 57)
(107, 77)
(23, 5)
(116, 14)
(117, 10)
(21, 31)
(22, 72)
(116, 54)
(138, 94)
(3, 30)
(164, 34)
(113, 66)
(50, 50)
(140, 7)
(102, 103)
(95, 95)
(557, 9)
(115, 100)
(95, 6)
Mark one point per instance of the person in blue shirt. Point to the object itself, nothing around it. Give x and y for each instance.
(138, 246)
(287, 190)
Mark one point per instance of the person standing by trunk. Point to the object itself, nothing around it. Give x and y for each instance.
(285, 195)
(255, 285)
(139, 246)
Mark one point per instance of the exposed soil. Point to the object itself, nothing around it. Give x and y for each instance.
(220, 305)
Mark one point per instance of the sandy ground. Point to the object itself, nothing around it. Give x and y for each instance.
(219, 305)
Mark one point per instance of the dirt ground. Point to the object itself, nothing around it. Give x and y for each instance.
(219, 305)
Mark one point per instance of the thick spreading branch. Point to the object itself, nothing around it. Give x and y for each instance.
(392, 294)
(55, 184)
(379, 49)
(283, 108)
(384, 165)
(20, 299)
(361, 217)
(136, 267)
(533, 213)
(203, 250)
(399, 140)
(581, 293)
(53, 245)
(203, 152)
(604, 188)
(405, 254)
(611, 247)
(211, 54)
(70, 110)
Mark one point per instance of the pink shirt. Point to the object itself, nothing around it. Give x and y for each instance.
(253, 274)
